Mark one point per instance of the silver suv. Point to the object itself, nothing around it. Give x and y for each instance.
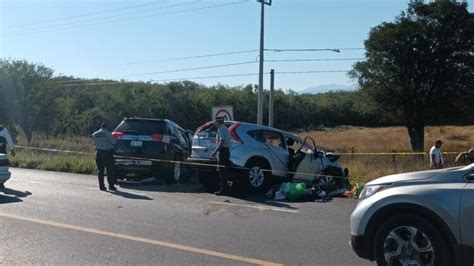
(421, 218)
(257, 148)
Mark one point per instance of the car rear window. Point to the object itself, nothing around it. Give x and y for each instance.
(142, 127)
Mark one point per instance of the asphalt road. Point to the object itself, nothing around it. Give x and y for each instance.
(58, 218)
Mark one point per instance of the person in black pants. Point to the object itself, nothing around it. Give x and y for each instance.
(104, 157)
(223, 139)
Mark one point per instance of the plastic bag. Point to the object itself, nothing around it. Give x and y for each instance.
(297, 192)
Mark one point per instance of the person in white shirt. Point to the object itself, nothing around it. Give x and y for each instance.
(6, 141)
(436, 155)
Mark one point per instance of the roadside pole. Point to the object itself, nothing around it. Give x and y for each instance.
(271, 98)
(261, 60)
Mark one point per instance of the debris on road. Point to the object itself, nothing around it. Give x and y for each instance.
(300, 192)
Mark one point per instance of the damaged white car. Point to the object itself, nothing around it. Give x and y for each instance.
(261, 155)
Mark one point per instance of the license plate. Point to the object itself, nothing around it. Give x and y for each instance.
(136, 143)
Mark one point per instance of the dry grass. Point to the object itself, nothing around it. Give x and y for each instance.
(364, 168)
(386, 139)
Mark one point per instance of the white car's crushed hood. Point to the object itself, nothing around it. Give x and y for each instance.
(412, 176)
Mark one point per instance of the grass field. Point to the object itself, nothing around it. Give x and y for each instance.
(362, 168)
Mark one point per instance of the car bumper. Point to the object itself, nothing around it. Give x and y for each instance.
(361, 247)
(138, 164)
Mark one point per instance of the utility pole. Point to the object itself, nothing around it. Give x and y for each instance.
(261, 59)
(271, 99)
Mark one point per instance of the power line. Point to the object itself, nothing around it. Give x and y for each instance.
(175, 70)
(206, 77)
(316, 59)
(244, 52)
(336, 50)
(313, 71)
(78, 23)
(193, 68)
(82, 15)
(129, 19)
(190, 57)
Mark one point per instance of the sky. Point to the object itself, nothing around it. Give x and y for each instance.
(131, 40)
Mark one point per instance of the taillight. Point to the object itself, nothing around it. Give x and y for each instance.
(157, 137)
(233, 133)
(118, 135)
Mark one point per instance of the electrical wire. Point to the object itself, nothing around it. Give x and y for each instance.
(336, 50)
(205, 77)
(82, 15)
(315, 59)
(193, 68)
(129, 19)
(312, 71)
(42, 29)
(190, 57)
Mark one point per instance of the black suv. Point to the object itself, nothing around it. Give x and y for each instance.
(142, 139)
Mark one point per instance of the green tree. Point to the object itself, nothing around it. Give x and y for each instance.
(419, 64)
(28, 97)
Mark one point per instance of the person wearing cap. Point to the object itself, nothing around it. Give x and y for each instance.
(223, 148)
(104, 156)
(465, 157)
(436, 155)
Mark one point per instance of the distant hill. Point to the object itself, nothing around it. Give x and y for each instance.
(331, 87)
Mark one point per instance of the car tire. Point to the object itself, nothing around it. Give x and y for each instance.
(258, 175)
(409, 237)
(210, 182)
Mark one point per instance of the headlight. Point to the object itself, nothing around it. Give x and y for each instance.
(369, 191)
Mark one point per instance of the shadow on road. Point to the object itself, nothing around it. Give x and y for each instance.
(16, 193)
(9, 195)
(7, 199)
(158, 187)
(130, 195)
(237, 192)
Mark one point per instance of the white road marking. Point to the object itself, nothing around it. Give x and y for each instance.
(164, 244)
(26, 181)
(258, 207)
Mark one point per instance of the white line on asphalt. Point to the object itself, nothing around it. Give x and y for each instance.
(258, 207)
(142, 240)
(26, 181)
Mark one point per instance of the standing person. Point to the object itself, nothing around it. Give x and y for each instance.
(5, 141)
(223, 148)
(436, 155)
(104, 156)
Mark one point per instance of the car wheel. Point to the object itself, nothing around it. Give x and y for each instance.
(409, 240)
(326, 183)
(258, 175)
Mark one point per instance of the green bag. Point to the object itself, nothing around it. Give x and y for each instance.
(297, 192)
